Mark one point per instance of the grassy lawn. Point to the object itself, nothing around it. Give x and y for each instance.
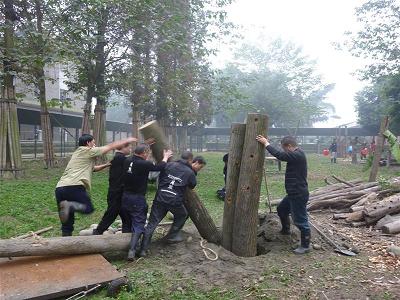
(28, 204)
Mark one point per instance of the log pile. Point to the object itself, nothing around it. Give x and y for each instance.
(361, 203)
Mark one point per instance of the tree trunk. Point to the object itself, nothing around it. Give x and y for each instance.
(65, 245)
(153, 130)
(135, 122)
(201, 218)
(10, 149)
(244, 236)
(101, 92)
(379, 149)
(183, 139)
(234, 160)
(99, 132)
(86, 110)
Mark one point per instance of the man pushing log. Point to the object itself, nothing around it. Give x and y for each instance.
(295, 202)
(71, 190)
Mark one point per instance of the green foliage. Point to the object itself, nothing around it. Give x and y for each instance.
(276, 78)
(394, 144)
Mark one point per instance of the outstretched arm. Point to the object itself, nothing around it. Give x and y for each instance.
(117, 144)
(101, 167)
(281, 155)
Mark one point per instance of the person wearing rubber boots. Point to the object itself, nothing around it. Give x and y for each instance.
(115, 190)
(173, 181)
(134, 207)
(71, 190)
(295, 202)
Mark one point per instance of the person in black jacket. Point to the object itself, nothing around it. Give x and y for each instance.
(114, 194)
(135, 179)
(173, 181)
(333, 150)
(295, 202)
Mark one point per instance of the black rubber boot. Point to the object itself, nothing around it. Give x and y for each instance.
(64, 233)
(285, 221)
(96, 232)
(65, 209)
(334, 160)
(134, 241)
(146, 240)
(304, 244)
(174, 235)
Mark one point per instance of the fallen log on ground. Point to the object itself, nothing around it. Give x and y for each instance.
(376, 211)
(386, 220)
(64, 245)
(393, 227)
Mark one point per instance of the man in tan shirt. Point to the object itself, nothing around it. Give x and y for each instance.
(71, 190)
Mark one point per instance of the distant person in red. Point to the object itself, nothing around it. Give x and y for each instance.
(364, 151)
(373, 146)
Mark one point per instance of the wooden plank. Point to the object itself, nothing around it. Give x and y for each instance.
(50, 277)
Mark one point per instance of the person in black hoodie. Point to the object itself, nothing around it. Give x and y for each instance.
(135, 179)
(295, 202)
(173, 181)
(114, 194)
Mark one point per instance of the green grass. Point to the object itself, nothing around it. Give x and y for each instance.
(28, 204)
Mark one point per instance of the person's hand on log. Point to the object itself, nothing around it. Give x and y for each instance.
(167, 155)
(150, 141)
(263, 140)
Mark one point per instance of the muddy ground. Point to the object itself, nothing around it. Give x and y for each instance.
(279, 274)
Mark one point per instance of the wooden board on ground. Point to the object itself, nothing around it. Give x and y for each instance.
(50, 277)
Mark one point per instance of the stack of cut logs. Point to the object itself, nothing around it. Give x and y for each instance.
(361, 203)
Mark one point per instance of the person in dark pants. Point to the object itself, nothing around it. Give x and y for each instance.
(173, 181)
(222, 192)
(333, 151)
(114, 194)
(134, 207)
(295, 202)
(71, 190)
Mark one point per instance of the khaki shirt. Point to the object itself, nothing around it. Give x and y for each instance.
(80, 168)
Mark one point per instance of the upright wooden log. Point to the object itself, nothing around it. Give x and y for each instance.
(379, 149)
(65, 245)
(201, 218)
(153, 130)
(244, 236)
(234, 159)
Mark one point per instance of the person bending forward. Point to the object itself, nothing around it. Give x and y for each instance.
(134, 207)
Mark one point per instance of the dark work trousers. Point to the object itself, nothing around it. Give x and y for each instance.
(113, 210)
(75, 193)
(297, 207)
(159, 210)
(134, 210)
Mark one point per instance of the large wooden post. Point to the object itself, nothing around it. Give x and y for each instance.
(234, 160)
(201, 218)
(380, 142)
(244, 236)
(153, 130)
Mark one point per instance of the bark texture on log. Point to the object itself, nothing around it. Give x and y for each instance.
(65, 245)
(244, 241)
(234, 160)
(201, 218)
(386, 220)
(153, 130)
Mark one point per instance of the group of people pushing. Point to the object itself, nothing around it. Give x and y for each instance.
(128, 179)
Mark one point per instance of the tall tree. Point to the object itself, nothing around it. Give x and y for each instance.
(10, 150)
(37, 50)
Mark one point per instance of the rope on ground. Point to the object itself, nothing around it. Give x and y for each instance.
(205, 249)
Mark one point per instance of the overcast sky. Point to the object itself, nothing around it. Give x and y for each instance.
(315, 25)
